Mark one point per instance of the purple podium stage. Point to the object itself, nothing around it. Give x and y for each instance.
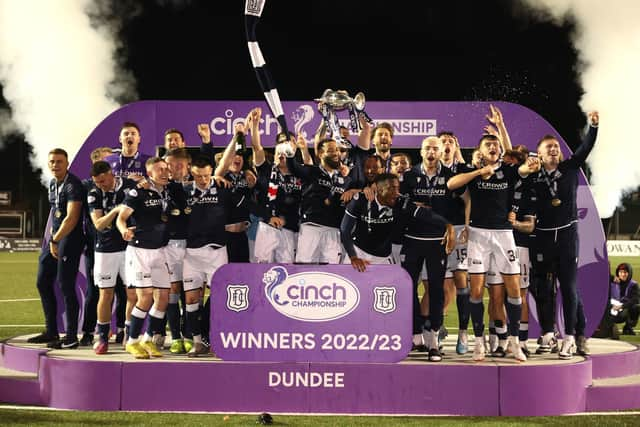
(544, 385)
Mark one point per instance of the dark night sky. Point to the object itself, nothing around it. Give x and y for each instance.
(390, 50)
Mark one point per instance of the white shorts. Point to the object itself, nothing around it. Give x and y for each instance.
(200, 264)
(395, 253)
(492, 276)
(252, 251)
(457, 259)
(275, 244)
(107, 267)
(148, 268)
(484, 243)
(525, 266)
(371, 258)
(319, 243)
(175, 251)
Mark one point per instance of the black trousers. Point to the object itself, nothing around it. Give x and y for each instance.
(64, 269)
(237, 247)
(628, 316)
(555, 255)
(414, 253)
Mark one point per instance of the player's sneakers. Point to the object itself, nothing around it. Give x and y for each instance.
(177, 347)
(151, 348)
(158, 340)
(419, 348)
(198, 349)
(501, 349)
(582, 347)
(568, 348)
(427, 339)
(546, 343)
(188, 344)
(86, 340)
(101, 347)
(43, 338)
(462, 346)
(478, 351)
(442, 333)
(137, 351)
(525, 349)
(493, 343)
(434, 355)
(120, 337)
(67, 343)
(515, 350)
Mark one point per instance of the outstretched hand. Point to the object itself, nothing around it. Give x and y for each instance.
(496, 115)
(359, 264)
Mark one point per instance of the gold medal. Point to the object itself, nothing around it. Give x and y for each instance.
(58, 214)
(175, 212)
(164, 217)
(556, 202)
(187, 210)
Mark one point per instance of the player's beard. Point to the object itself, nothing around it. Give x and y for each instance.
(331, 162)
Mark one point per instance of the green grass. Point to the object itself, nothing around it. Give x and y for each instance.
(69, 418)
(17, 281)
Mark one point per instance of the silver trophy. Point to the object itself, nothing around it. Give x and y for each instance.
(338, 100)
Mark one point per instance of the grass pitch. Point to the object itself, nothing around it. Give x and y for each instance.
(21, 313)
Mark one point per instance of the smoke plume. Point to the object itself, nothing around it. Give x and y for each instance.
(58, 71)
(609, 42)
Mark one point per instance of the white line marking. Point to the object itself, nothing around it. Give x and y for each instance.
(20, 300)
(45, 408)
(21, 326)
(18, 261)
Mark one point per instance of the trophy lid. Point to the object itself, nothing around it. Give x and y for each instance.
(337, 99)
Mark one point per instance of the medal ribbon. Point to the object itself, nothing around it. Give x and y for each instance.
(431, 182)
(552, 183)
(58, 191)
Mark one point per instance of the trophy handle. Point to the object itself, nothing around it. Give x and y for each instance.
(358, 101)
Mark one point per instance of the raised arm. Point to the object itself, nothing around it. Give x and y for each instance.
(364, 138)
(589, 140)
(306, 172)
(230, 151)
(497, 120)
(301, 144)
(206, 147)
(256, 145)
(458, 154)
(320, 133)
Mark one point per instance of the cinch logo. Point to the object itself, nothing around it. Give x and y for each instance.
(225, 125)
(310, 296)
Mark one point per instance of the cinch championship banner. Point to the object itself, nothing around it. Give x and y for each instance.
(311, 313)
(412, 121)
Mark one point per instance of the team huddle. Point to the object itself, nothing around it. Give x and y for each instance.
(155, 230)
